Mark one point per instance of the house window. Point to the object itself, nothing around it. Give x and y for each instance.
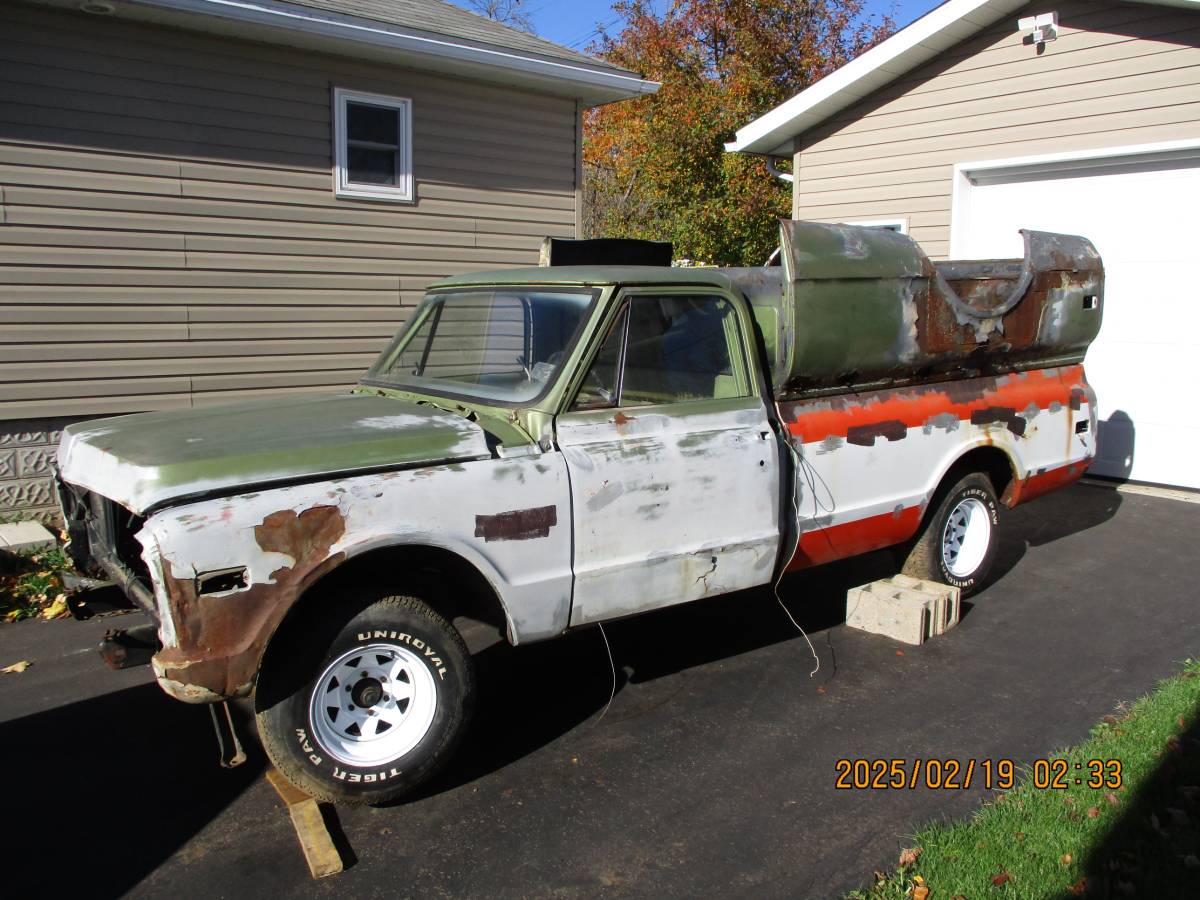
(897, 225)
(372, 146)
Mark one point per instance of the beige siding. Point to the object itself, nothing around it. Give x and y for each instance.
(168, 231)
(1119, 73)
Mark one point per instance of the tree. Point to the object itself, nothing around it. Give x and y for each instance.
(507, 12)
(655, 167)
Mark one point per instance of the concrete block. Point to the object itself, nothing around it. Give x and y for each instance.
(906, 609)
(25, 536)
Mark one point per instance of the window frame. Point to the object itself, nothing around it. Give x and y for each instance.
(900, 226)
(743, 354)
(343, 187)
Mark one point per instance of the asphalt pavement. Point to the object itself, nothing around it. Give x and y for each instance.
(711, 773)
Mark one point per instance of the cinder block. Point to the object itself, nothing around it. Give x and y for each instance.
(906, 609)
(25, 536)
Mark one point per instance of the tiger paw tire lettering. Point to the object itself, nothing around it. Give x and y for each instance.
(957, 545)
(377, 711)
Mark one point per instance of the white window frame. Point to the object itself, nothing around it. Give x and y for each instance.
(897, 225)
(402, 191)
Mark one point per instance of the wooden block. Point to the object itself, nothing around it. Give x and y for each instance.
(319, 852)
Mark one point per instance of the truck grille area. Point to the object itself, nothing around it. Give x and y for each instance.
(103, 540)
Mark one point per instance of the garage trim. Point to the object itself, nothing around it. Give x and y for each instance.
(968, 174)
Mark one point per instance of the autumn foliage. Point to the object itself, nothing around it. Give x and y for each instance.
(655, 167)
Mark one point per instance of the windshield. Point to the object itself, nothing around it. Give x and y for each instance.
(499, 344)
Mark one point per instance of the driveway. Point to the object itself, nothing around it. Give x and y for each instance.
(711, 773)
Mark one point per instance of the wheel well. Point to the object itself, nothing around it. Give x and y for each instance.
(443, 579)
(991, 461)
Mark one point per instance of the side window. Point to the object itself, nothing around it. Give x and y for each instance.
(677, 347)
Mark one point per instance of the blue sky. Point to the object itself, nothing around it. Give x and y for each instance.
(573, 22)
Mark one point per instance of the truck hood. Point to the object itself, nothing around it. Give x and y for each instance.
(143, 461)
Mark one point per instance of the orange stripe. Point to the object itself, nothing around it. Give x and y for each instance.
(824, 545)
(1044, 482)
(913, 407)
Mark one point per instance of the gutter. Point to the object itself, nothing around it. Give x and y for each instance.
(284, 17)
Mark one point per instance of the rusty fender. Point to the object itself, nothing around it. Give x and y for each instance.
(227, 571)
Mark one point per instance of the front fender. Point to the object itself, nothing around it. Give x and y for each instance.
(509, 518)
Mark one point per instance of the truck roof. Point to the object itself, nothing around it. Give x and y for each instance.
(592, 275)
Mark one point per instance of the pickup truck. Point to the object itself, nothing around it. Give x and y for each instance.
(543, 449)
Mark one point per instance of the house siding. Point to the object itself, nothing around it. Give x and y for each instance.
(1119, 73)
(169, 235)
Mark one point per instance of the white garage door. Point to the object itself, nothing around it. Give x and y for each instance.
(1144, 217)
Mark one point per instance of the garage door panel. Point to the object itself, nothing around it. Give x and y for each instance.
(1142, 364)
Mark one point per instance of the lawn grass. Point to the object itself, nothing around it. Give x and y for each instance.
(1142, 840)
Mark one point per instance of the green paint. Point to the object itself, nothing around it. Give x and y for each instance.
(181, 452)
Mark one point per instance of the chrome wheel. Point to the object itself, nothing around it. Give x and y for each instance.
(373, 704)
(966, 537)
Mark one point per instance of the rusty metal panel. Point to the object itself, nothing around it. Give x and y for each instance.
(288, 538)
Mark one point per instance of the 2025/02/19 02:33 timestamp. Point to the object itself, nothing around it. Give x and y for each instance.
(991, 774)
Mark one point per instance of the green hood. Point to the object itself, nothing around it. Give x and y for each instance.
(145, 460)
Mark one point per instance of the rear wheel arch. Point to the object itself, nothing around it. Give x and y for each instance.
(997, 464)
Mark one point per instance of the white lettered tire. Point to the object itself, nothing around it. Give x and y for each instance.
(957, 544)
(366, 708)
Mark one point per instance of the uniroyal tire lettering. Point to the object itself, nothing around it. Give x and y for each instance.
(435, 659)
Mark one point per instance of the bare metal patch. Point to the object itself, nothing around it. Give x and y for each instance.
(517, 524)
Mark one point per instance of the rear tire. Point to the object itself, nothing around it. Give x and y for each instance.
(364, 708)
(957, 545)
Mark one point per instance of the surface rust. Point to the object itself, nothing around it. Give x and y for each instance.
(517, 524)
(221, 638)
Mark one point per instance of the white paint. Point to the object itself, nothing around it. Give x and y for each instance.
(1137, 205)
(402, 191)
(774, 132)
(900, 226)
(856, 482)
(669, 506)
(434, 507)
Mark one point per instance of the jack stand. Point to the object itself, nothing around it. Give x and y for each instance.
(227, 738)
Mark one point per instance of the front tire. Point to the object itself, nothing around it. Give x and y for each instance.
(957, 546)
(365, 709)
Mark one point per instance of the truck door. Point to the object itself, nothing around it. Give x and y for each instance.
(673, 465)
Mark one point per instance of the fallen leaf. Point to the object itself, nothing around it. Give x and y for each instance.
(920, 892)
(1182, 722)
(1093, 812)
(1019, 835)
(1079, 888)
(1172, 743)
(1001, 877)
(820, 690)
(880, 876)
(899, 652)
(1111, 720)
(57, 609)
(16, 668)
(1112, 798)
(909, 856)
(1065, 859)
